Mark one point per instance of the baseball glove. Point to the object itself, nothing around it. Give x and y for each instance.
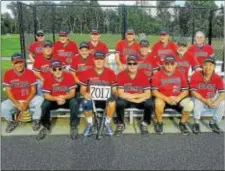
(24, 116)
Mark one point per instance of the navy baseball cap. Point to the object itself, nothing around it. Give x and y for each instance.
(210, 59)
(16, 57)
(130, 31)
(164, 32)
(169, 59)
(40, 32)
(144, 43)
(48, 43)
(56, 63)
(132, 58)
(63, 33)
(95, 31)
(99, 54)
(84, 45)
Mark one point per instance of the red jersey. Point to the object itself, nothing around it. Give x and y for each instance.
(42, 65)
(125, 50)
(20, 83)
(148, 64)
(36, 48)
(81, 64)
(65, 53)
(91, 77)
(169, 85)
(202, 52)
(137, 85)
(56, 88)
(159, 51)
(209, 88)
(101, 46)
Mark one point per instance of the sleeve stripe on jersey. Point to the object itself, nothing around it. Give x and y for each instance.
(114, 84)
(46, 91)
(184, 88)
(193, 68)
(73, 69)
(82, 83)
(193, 89)
(222, 90)
(35, 69)
(6, 84)
(34, 83)
(72, 87)
(212, 55)
(155, 68)
(155, 88)
(120, 87)
(147, 88)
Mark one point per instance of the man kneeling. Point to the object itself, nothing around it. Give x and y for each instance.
(170, 88)
(59, 92)
(97, 76)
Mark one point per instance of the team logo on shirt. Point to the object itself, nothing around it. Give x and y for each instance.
(65, 54)
(129, 87)
(45, 68)
(164, 52)
(17, 83)
(83, 67)
(170, 81)
(38, 49)
(96, 81)
(58, 88)
(201, 53)
(207, 86)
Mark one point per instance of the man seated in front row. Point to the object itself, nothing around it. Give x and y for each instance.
(134, 91)
(170, 88)
(207, 88)
(59, 92)
(97, 76)
(20, 84)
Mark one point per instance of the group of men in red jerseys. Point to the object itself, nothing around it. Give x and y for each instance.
(152, 80)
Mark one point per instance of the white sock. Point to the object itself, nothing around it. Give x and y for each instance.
(108, 120)
(197, 121)
(89, 120)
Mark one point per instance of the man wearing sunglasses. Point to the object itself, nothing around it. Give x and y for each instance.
(164, 46)
(201, 50)
(170, 89)
(65, 49)
(126, 47)
(207, 89)
(41, 66)
(20, 84)
(99, 75)
(145, 60)
(36, 47)
(59, 92)
(133, 91)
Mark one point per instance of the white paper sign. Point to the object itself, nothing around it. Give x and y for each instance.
(100, 92)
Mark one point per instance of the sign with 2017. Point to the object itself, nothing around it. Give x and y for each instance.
(100, 92)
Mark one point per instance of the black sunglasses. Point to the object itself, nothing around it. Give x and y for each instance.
(132, 63)
(57, 69)
(40, 35)
(170, 63)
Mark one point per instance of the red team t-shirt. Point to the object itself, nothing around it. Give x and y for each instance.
(101, 46)
(81, 64)
(20, 83)
(206, 89)
(42, 65)
(169, 85)
(65, 54)
(91, 77)
(125, 50)
(56, 88)
(137, 85)
(159, 51)
(36, 48)
(200, 53)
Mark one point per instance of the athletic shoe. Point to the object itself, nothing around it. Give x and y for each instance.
(196, 128)
(88, 130)
(36, 125)
(215, 128)
(119, 129)
(73, 133)
(108, 129)
(159, 128)
(183, 128)
(144, 128)
(43, 133)
(11, 125)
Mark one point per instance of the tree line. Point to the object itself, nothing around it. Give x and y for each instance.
(80, 19)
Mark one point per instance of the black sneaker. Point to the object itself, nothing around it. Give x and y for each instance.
(73, 133)
(43, 133)
(144, 129)
(159, 128)
(11, 125)
(183, 128)
(215, 128)
(196, 128)
(119, 129)
(36, 125)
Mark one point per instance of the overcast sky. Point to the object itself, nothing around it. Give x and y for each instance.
(127, 2)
